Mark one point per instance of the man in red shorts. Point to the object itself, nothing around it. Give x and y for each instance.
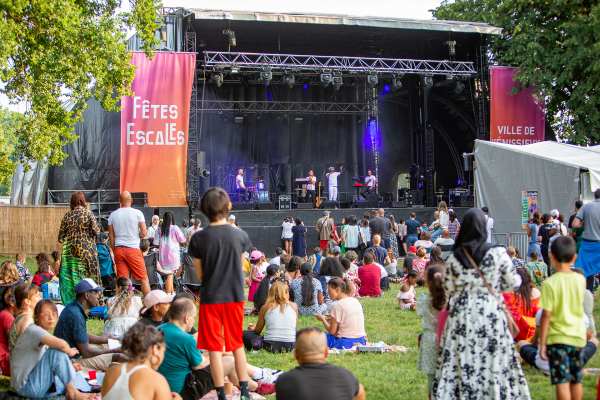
(126, 226)
(218, 253)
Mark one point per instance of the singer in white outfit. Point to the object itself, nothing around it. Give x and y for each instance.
(333, 183)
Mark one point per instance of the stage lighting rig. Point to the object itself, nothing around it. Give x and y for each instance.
(288, 79)
(326, 77)
(395, 83)
(217, 79)
(337, 80)
(459, 87)
(204, 173)
(428, 81)
(266, 76)
(231, 36)
(372, 79)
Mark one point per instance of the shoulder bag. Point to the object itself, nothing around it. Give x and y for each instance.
(362, 243)
(512, 325)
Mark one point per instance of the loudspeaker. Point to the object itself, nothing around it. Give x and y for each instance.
(305, 206)
(328, 204)
(265, 205)
(415, 174)
(148, 213)
(241, 206)
(180, 213)
(373, 200)
(139, 199)
(398, 204)
(359, 204)
(385, 204)
(414, 197)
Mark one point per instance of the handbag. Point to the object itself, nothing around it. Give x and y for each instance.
(442, 317)
(512, 325)
(362, 243)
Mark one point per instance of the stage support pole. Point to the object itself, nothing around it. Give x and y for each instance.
(354, 141)
(429, 163)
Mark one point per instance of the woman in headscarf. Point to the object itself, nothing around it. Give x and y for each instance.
(477, 357)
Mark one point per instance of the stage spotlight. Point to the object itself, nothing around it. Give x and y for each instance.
(326, 77)
(204, 173)
(340, 120)
(266, 76)
(217, 79)
(428, 81)
(337, 80)
(386, 88)
(231, 36)
(395, 83)
(372, 79)
(239, 119)
(289, 79)
(459, 87)
(298, 120)
(305, 86)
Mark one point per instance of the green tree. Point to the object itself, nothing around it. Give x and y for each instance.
(555, 45)
(10, 122)
(57, 54)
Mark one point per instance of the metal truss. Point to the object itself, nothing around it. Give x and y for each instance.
(285, 107)
(192, 174)
(354, 65)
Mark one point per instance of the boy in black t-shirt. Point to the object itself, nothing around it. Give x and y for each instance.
(218, 253)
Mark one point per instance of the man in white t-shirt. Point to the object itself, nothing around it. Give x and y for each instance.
(240, 187)
(489, 224)
(126, 226)
(310, 186)
(370, 182)
(333, 183)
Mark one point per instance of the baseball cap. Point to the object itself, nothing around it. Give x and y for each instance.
(337, 250)
(412, 249)
(555, 213)
(485, 209)
(278, 251)
(86, 285)
(232, 217)
(255, 255)
(156, 297)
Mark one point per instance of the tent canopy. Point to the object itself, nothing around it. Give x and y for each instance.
(560, 173)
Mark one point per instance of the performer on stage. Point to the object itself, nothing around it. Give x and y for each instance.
(370, 182)
(239, 185)
(310, 187)
(333, 183)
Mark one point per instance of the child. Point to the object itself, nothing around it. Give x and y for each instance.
(256, 273)
(55, 267)
(406, 296)
(420, 264)
(331, 244)
(514, 254)
(43, 275)
(262, 292)
(429, 307)
(123, 309)
(424, 226)
(347, 323)
(156, 304)
(218, 253)
(563, 332)
(24, 274)
(537, 269)
(315, 260)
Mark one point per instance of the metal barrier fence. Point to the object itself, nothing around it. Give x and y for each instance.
(520, 241)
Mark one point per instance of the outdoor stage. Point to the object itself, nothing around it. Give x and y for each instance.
(264, 227)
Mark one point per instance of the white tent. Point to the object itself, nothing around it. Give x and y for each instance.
(560, 173)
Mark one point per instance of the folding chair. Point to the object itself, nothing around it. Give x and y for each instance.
(189, 280)
(446, 250)
(154, 277)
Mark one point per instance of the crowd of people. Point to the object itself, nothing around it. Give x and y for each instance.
(481, 301)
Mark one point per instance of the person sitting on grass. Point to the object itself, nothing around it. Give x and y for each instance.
(425, 243)
(43, 275)
(7, 312)
(314, 378)
(406, 295)
(156, 305)
(186, 370)
(331, 268)
(9, 274)
(315, 260)
(421, 263)
(123, 309)
(331, 244)
(71, 327)
(26, 297)
(292, 269)
(260, 297)
(538, 270)
(370, 278)
(280, 317)
(40, 361)
(352, 289)
(55, 267)
(308, 292)
(139, 379)
(24, 274)
(346, 327)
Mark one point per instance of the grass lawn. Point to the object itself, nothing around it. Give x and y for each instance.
(391, 375)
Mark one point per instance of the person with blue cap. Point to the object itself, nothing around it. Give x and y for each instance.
(71, 327)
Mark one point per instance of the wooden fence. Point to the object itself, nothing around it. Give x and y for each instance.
(30, 229)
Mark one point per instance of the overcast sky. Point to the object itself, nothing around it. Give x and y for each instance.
(414, 9)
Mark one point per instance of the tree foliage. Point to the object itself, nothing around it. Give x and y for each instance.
(57, 54)
(10, 122)
(555, 44)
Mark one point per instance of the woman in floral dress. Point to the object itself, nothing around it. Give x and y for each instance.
(477, 359)
(394, 236)
(168, 236)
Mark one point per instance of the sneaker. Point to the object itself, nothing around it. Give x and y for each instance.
(270, 376)
(265, 389)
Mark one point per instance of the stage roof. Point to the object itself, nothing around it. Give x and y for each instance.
(349, 20)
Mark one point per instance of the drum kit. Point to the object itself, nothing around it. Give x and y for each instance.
(257, 190)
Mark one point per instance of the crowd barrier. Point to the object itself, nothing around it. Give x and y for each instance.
(518, 240)
(30, 229)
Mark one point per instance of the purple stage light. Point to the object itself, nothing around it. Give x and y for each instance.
(386, 88)
(305, 86)
(459, 182)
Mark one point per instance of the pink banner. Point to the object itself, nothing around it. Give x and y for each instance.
(154, 128)
(515, 118)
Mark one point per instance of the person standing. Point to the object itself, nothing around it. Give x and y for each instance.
(532, 231)
(240, 187)
(588, 260)
(578, 205)
(332, 178)
(370, 182)
(77, 233)
(489, 224)
(286, 234)
(350, 234)
(167, 237)
(413, 228)
(380, 226)
(325, 227)
(153, 228)
(477, 347)
(310, 187)
(126, 226)
(299, 239)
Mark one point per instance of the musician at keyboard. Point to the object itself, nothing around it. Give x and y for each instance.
(370, 182)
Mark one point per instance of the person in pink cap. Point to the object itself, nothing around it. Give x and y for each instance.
(256, 273)
(156, 305)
